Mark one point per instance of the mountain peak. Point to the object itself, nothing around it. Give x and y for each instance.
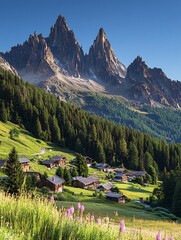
(61, 22)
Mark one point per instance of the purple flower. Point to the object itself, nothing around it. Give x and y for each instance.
(166, 238)
(79, 205)
(82, 208)
(171, 238)
(158, 236)
(69, 212)
(52, 198)
(92, 218)
(71, 209)
(98, 221)
(122, 226)
(71, 218)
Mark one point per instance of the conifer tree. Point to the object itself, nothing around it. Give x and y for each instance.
(60, 172)
(67, 177)
(81, 166)
(3, 113)
(14, 172)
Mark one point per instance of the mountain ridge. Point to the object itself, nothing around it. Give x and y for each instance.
(58, 60)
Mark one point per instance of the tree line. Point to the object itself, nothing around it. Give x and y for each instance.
(53, 120)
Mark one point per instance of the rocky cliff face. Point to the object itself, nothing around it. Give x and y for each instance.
(6, 66)
(65, 48)
(152, 86)
(102, 61)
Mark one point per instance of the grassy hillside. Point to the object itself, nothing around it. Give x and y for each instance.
(29, 146)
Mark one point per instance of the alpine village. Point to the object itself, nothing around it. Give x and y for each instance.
(89, 148)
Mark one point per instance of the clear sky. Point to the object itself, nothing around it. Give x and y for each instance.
(149, 28)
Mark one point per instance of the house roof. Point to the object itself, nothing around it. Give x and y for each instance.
(86, 181)
(136, 173)
(56, 158)
(102, 165)
(114, 195)
(47, 162)
(119, 175)
(23, 160)
(2, 163)
(56, 180)
(119, 170)
(107, 186)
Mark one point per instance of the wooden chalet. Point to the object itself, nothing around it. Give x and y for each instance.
(120, 170)
(135, 174)
(24, 164)
(106, 187)
(55, 161)
(120, 177)
(115, 197)
(54, 183)
(90, 182)
(89, 160)
(102, 167)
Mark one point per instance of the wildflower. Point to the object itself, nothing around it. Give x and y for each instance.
(92, 218)
(68, 212)
(79, 205)
(71, 218)
(52, 199)
(82, 208)
(71, 209)
(158, 236)
(80, 219)
(122, 226)
(98, 221)
(171, 238)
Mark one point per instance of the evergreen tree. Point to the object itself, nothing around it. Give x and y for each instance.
(38, 129)
(133, 156)
(81, 166)
(67, 176)
(176, 202)
(122, 151)
(14, 172)
(60, 172)
(74, 172)
(3, 113)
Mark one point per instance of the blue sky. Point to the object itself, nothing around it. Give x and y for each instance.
(151, 29)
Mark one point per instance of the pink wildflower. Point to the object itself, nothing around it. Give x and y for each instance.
(171, 238)
(79, 205)
(122, 226)
(80, 220)
(68, 212)
(71, 209)
(98, 221)
(158, 236)
(71, 218)
(166, 238)
(92, 218)
(52, 198)
(82, 208)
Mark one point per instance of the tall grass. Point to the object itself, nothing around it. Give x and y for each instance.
(24, 218)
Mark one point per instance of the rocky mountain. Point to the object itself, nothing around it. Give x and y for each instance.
(58, 63)
(102, 61)
(5, 65)
(151, 85)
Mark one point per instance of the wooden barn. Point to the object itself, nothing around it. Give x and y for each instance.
(54, 183)
(90, 182)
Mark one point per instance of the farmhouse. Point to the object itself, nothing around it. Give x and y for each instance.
(120, 170)
(54, 162)
(88, 160)
(54, 183)
(116, 197)
(102, 167)
(106, 187)
(135, 174)
(86, 183)
(24, 164)
(120, 177)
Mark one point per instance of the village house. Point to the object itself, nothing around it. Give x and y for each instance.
(24, 164)
(106, 187)
(88, 160)
(115, 197)
(135, 174)
(120, 170)
(54, 183)
(55, 161)
(120, 177)
(102, 167)
(90, 182)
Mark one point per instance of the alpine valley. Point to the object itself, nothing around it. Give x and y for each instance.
(136, 96)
